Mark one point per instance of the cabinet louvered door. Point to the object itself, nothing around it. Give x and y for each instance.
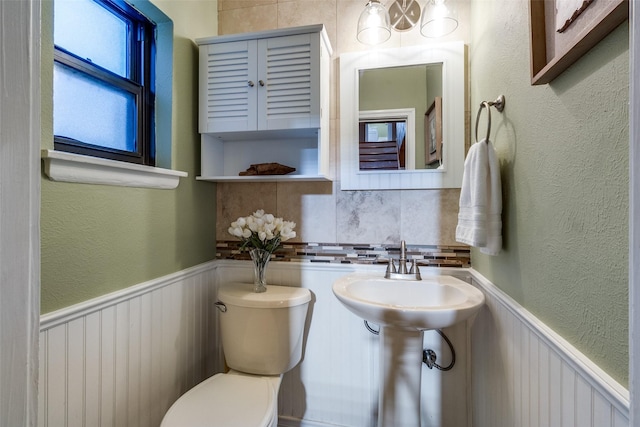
(289, 67)
(228, 83)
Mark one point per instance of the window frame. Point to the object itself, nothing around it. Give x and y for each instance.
(140, 82)
(364, 124)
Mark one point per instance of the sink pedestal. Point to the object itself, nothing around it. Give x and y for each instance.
(400, 377)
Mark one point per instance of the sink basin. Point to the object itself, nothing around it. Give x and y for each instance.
(435, 302)
(404, 309)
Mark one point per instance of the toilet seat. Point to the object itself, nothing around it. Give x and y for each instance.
(226, 400)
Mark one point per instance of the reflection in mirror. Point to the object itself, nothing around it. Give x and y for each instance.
(390, 89)
(387, 139)
(382, 144)
(402, 117)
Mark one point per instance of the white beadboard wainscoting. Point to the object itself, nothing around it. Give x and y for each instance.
(526, 375)
(122, 359)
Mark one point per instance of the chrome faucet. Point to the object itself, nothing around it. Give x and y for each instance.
(402, 273)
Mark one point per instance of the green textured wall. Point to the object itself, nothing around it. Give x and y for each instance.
(99, 239)
(563, 151)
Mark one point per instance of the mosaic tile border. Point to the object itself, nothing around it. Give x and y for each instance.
(425, 255)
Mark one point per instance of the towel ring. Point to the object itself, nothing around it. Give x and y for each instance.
(499, 104)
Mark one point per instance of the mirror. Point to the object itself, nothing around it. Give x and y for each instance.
(402, 117)
(384, 94)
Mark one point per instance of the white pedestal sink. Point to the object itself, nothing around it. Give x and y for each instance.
(404, 309)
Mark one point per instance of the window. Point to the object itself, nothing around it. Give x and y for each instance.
(393, 130)
(104, 69)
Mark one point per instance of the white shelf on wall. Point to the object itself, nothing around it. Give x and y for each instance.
(69, 167)
(264, 178)
(223, 159)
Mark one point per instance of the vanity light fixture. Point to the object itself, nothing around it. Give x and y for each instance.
(373, 25)
(439, 18)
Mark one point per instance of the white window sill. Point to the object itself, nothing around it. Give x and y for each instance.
(68, 167)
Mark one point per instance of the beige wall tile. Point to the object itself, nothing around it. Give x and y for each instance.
(248, 19)
(241, 4)
(334, 88)
(346, 23)
(294, 13)
(242, 199)
(368, 217)
(334, 149)
(312, 205)
(429, 216)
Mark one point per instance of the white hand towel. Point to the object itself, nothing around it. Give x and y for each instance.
(479, 218)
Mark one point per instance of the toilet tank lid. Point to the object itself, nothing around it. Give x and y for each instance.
(242, 295)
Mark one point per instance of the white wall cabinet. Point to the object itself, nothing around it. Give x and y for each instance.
(264, 97)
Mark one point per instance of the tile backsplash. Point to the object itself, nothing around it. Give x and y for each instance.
(425, 255)
(324, 213)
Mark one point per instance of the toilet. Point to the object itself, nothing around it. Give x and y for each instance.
(262, 338)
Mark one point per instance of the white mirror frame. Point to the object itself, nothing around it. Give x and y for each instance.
(449, 175)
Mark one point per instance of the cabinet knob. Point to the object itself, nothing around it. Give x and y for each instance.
(251, 84)
(261, 82)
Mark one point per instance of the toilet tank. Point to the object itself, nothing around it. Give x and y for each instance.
(263, 333)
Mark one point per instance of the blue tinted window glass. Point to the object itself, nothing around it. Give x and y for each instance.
(92, 32)
(378, 132)
(88, 111)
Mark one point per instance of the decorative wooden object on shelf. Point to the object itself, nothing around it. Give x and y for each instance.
(268, 169)
(552, 52)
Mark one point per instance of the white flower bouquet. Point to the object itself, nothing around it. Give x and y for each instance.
(262, 231)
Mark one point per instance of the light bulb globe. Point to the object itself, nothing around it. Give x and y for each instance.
(373, 25)
(439, 18)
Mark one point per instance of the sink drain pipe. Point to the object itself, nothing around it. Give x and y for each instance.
(429, 356)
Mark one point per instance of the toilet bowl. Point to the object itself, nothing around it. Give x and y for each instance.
(262, 338)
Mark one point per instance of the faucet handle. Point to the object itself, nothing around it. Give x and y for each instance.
(415, 270)
(391, 268)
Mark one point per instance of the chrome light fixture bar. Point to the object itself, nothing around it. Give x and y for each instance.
(439, 18)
